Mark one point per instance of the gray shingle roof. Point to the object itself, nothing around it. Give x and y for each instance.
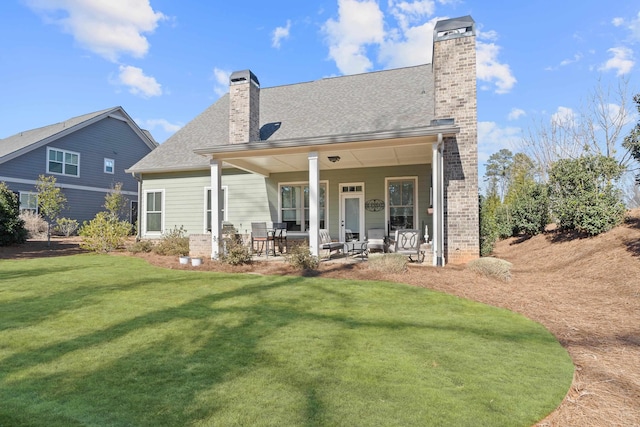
(30, 139)
(373, 102)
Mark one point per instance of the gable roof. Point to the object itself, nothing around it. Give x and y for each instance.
(23, 142)
(383, 101)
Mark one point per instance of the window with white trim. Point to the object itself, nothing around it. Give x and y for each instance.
(28, 201)
(62, 162)
(401, 206)
(153, 211)
(109, 165)
(207, 206)
(294, 206)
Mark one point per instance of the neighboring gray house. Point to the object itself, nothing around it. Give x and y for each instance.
(389, 149)
(87, 155)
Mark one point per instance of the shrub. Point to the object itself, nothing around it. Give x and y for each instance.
(104, 233)
(504, 221)
(235, 253)
(387, 263)
(145, 246)
(34, 224)
(173, 242)
(583, 195)
(66, 226)
(530, 209)
(488, 225)
(492, 267)
(300, 257)
(12, 229)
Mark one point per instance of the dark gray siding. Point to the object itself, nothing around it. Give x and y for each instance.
(108, 138)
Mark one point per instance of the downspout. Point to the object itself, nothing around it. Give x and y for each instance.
(438, 202)
(138, 213)
(440, 213)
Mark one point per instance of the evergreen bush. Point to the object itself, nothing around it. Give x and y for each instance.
(12, 229)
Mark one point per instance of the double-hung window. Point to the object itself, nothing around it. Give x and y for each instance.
(294, 206)
(153, 211)
(109, 165)
(401, 196)
(28, 201)
(62, 162)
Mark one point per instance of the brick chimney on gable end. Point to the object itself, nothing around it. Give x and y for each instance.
(454, 73)
(244, 107)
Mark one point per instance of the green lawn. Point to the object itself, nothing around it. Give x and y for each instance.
(110, 340)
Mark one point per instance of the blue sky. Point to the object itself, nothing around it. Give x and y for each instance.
(165, 61)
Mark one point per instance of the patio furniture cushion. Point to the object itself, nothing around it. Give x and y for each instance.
(377, 240)
(327, 244)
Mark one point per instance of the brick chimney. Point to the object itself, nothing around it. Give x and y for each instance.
(454, 71)
(244, 107)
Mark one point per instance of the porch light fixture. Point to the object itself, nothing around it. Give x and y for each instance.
(333, 159)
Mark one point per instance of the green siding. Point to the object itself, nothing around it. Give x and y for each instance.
(184, 204)
(253, 198)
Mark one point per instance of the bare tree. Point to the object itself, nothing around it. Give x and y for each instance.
(594, 129)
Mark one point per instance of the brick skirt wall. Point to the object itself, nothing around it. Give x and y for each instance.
(200, 245)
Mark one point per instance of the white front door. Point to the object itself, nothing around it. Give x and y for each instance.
(351, 212)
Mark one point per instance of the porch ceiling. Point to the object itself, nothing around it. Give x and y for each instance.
(265, 161)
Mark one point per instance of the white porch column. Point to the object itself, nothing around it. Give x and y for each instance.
(314, 203)
(216, 206)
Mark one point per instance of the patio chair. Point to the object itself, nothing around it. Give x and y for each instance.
(261, 236)
(280, 235)
(408, 243)
(376, 240)
(327, 244)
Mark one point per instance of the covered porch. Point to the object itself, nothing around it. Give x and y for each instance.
(386, 180)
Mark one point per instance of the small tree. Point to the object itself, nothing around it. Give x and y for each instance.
(12, 228)
(51, 201)
(583, 195)
(115, 203)
(498, 172)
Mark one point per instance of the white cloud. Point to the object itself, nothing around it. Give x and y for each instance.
(563, 116)
(360, 23)
(492, 138)
(165, 125)
(516, 113)
(279, 34)
(621, 61)
(490, 70)
(410, 50)
(360, 30)
(577, 57)
(107, 28)
(407, 13)
(138, 83)
(221, 79)
(634, 28)
(633, 25)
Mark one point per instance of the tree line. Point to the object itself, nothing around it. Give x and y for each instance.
(568, 172)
